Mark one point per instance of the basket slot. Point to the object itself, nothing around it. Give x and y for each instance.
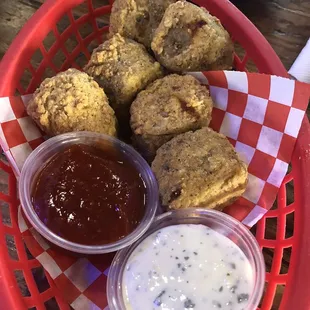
(92, 45)
(63, 23)
(279, 289)
(40, 279)
(52, 304)
(22, 284)
(289, 232)
(286, 257)
(31, 69)
(239, 55)
(260, 303)
(78, 36)
(81, 10)
(59, 297)
(99, 3)
(49, 40)
(274, 293)
(269, 258)
(26, 78)
(289, 187)
(36, 59)
(48, 73)
(46, 68)
(11, 246)
(270, 291)
(68, 44)
(271, 228)
(102, 21)
(85, 30)
(251, 66)
(100, 34)
(59, 59)
(5, 213)
(56, 47)
(81, 60)
(99, 19)
(63, 58)
(242, 61)
(277, 244)
(71, 43)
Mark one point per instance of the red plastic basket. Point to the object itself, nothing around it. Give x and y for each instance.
(87, 31)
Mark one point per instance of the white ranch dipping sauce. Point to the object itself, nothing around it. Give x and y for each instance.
(187, 267)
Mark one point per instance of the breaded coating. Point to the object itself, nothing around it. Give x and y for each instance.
(72, 101)
(199, 169)
(137, 19)
(190, 39)
(123, 68)
(169, 106)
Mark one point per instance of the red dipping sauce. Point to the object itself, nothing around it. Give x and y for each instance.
(89, 195)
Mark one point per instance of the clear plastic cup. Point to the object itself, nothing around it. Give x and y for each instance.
(218, 221)
(43, 153)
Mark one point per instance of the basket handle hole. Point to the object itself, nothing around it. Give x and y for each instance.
(40, 279)
(22, 284)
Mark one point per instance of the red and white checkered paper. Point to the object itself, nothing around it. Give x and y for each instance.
(260, 114)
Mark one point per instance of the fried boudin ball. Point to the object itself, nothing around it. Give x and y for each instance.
(72, 101)
(123, 68)
(199, 169)
(137, 19)
(169, 106)
(190, 39)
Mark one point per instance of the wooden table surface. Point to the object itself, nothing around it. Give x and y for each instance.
(285, 24)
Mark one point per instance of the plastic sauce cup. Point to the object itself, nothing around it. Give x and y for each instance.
(218, 221)
(43, 153)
